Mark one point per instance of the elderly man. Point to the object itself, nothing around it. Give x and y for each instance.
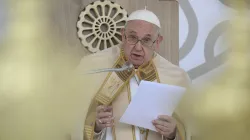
(114, 90)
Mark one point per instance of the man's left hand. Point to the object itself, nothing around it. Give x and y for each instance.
(166, 126)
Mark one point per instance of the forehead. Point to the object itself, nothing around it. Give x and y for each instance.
(141, 28)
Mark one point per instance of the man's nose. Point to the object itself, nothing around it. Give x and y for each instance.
(138, 46)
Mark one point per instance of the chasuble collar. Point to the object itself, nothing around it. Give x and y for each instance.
(116, 81)
(145, 72)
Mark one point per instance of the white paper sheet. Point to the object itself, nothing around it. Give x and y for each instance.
(151, 100)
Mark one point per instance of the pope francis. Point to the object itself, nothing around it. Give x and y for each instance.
(113, 91)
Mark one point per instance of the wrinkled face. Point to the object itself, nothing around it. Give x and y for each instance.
(139, 52)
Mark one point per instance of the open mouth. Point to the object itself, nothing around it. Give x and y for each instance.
(136, 56)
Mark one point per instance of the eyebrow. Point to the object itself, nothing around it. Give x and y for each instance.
(132, 32)
(147, 35)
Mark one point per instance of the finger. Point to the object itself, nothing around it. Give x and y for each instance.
(100, 108)
(103, 108)
(108, 109)
(104, 115)
(107, 120)
(159, 131)
(109, 124)
(165, 118)
(160, 122)
(162, 132)
(104, 125)
(162, 128)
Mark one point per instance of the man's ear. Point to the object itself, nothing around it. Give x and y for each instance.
(158, 42)
(160, 38)
(123, 34)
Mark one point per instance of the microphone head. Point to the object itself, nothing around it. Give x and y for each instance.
(129, 65)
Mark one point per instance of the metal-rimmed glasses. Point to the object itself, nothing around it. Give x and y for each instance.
(146, 41)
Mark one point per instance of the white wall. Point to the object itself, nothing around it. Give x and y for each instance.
(201, 21)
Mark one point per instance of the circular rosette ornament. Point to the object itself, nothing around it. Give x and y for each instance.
(99, 25)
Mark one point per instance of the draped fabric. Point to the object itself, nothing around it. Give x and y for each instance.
(114, 89)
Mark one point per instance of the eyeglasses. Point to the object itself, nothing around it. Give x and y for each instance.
(146, 41)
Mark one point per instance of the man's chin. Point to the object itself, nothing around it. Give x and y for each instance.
(136, 64)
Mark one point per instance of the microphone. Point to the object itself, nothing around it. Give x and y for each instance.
(126, 66)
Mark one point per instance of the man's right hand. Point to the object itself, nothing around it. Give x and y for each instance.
(104, 117)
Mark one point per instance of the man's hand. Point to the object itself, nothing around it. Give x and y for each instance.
(104, 117)
(166, 126)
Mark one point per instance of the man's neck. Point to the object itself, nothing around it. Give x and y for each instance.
(136, 66)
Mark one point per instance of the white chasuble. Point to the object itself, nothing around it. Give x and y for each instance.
(133, 89)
